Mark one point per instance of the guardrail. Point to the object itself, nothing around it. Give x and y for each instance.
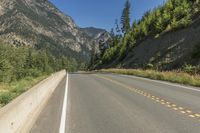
(20, 114)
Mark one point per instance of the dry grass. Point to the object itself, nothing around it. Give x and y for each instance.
(172, 76)
(3, 87)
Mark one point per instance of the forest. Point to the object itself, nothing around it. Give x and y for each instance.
(19, 62)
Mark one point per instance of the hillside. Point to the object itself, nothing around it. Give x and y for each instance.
(165, 38)
(39, 24)
(171, 50)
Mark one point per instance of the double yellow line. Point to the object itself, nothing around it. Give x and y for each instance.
(163, 102)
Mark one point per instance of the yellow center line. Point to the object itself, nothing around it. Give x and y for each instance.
(162, 101)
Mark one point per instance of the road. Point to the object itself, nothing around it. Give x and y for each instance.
(110, 103)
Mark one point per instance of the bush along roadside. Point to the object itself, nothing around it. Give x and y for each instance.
(171, 76)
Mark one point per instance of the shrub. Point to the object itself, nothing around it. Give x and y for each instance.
(5, 98)
(149, 66)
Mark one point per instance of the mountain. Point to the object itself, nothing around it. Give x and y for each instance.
(93, 32)
(39, 24)
(99, 37)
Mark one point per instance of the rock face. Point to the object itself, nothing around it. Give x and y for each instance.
(96, 33)
(39, 24)
(99, 37)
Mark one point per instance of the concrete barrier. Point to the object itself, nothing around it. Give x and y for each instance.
(17, 116)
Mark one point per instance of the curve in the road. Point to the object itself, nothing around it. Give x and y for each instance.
(163, 102)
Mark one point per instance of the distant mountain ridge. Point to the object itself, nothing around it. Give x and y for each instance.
(93, 32)
(39, 24)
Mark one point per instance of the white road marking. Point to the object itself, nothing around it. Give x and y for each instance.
(163, 82)
(64, 109)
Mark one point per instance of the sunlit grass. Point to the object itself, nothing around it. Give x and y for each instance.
(10, 91)
(172, 76)
(3, 87)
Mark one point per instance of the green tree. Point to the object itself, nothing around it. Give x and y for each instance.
(125, 18)
(117, 29)
(93, 54)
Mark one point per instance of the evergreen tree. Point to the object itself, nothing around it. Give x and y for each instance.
(93, 52)
(112, 33)
(125, 18)
(117, 29)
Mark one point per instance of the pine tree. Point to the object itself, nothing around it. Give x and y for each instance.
(93, 52)
(112, 33)
(125, 18)
(117, 29)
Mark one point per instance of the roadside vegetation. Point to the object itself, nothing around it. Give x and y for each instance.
(22, 67)
(9, 91)
(172, 76)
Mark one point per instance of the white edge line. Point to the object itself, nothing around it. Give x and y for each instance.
(163, 82)
(64, 109)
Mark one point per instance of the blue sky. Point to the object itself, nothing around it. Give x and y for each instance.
(102, 13)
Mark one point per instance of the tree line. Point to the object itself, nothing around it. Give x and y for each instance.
(19, 62)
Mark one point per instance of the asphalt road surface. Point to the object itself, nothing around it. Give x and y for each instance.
(110, 103)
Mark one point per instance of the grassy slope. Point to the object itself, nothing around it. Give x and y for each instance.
(172, 76)
(10, 91)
